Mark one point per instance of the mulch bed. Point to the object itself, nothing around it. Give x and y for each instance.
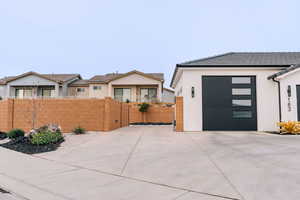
(23, 145)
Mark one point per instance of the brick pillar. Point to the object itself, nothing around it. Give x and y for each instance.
(10, 115)
(107, 114)
(179, 114)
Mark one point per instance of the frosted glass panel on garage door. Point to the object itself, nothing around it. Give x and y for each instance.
(241, 91)
(241, 80)
(241, 102)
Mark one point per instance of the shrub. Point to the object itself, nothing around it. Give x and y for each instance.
(47, 137)
(15, 133)
(292, 127)
(78, 130)
(49, 127)
(144, 107)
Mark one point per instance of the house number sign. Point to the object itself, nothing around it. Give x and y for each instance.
(289, 91)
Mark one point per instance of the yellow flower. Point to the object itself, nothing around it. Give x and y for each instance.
(292, 127)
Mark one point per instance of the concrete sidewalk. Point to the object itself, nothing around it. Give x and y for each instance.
(155, 163)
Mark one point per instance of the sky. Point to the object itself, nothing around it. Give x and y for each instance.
(93, 37)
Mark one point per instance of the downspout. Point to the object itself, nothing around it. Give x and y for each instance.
(279, 97)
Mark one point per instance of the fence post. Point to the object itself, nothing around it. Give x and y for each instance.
(10, 114)
(107, 113)
(179, 114)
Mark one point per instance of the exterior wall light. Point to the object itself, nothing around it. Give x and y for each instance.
(193, 92)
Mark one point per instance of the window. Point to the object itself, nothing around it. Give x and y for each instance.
(97, 87)
(28, 93)
(241, 102)
(23, 92)
(241, 80)
(148, 94)
(242, 114)
(122, 94)
(80, 89)
(19, 93)
(241, 91)
(46, 92)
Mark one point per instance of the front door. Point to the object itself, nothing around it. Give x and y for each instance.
(229, 103)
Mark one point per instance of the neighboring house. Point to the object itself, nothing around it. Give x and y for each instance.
(33, 84)
(239, 91)
(133, 86)
(168, 96)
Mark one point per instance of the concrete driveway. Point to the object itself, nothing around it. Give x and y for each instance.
(153, 162)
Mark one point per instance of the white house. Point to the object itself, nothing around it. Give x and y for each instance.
(239, 91)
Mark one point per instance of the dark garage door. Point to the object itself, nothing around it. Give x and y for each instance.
(229, 103)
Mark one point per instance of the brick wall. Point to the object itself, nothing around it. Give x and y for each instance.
(6, 111)
(113, 114)
(68, 113)
(157, 113)
(179, 114)
(91, 114)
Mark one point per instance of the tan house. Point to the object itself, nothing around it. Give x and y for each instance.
(133, 86)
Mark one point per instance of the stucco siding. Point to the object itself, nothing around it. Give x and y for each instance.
(266, 95)
(178, 88)
(100, 93)
(289, 114)
(72, 92)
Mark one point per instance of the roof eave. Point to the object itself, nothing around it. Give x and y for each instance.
(174, 74)
(284, 72)
(95, 81)
(136, 72)
(75, 76)
(32, 73)
(229, 65)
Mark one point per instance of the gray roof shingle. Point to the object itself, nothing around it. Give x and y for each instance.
(80, 82)
(244, 59)
(108, 77)
(248, 59)
(61, 77)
